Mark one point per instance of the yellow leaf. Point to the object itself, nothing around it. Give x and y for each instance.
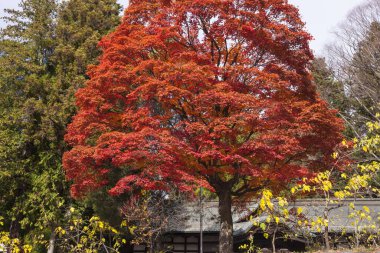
(306, 188)
(282, 202)
(286, 213)
(132, 229)
(339, 194)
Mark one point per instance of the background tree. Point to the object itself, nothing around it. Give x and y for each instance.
(330, 89)
(81, 25)
(36, 103)
(354, 57)
(216, 91)
(30, 189)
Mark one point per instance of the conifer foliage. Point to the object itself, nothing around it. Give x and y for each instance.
(30, 188)
(215, 92)
(81, 24)
(36, 103)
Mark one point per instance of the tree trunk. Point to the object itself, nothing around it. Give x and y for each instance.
(326, 233)
(151, 248)
(274, 240)
(327, 241)
(52, 242)
(226, 225)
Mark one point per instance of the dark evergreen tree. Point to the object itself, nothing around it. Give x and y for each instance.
(30, 190)
(330, 89)
(81, 24)
(45, 49)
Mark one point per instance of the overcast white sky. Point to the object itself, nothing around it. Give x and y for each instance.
(321, 16)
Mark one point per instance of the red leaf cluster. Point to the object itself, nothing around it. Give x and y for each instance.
(191, 89)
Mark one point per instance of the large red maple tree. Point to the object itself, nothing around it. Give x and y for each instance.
(216, 91)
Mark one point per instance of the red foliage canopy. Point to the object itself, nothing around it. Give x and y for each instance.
(190, 89)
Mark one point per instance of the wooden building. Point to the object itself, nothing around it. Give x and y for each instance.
(183, 231)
